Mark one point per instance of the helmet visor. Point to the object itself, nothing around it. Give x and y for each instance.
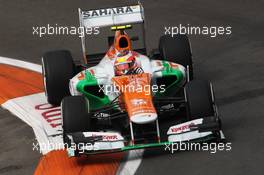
(124, 66)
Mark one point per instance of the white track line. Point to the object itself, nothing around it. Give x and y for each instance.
(131, 162)
(22, 64)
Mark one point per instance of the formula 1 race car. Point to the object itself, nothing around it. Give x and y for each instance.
(127, 99)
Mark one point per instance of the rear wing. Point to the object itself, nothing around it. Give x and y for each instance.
(110, 17)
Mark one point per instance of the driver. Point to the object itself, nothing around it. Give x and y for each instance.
(125, 65)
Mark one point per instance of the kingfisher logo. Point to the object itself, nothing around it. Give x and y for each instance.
(107, 137)
(182, 128)
(108, 12)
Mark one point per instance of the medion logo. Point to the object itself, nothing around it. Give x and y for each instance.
(105, 12)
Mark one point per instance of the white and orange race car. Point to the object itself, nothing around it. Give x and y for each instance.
(115, 100)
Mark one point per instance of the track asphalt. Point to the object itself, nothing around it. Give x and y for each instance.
(234, 63)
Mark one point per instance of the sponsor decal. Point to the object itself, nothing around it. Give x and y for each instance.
(51, 114)
(173, 65)
(170, 64)
(106, 137)
(102, 115)
(167, 107)
(92, 72)
(107, 12)
(182, 128)
(81, 76)
(159, 63)
(138, 102)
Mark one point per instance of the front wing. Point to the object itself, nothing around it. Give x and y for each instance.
(198, 130)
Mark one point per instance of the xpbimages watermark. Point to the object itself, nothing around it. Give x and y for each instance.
(56, 29)
(212, 31)
(147, 89)
(192, 146)
(45, 147)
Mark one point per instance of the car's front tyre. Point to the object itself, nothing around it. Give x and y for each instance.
(75, 116)
(57, 69)
(177, 49)
(199, 101)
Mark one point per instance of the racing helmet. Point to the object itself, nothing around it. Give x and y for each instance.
(124, 64)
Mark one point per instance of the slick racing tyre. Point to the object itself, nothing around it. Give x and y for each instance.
(199, 99)
(176, 49)
(58, 69)
(75, 115)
